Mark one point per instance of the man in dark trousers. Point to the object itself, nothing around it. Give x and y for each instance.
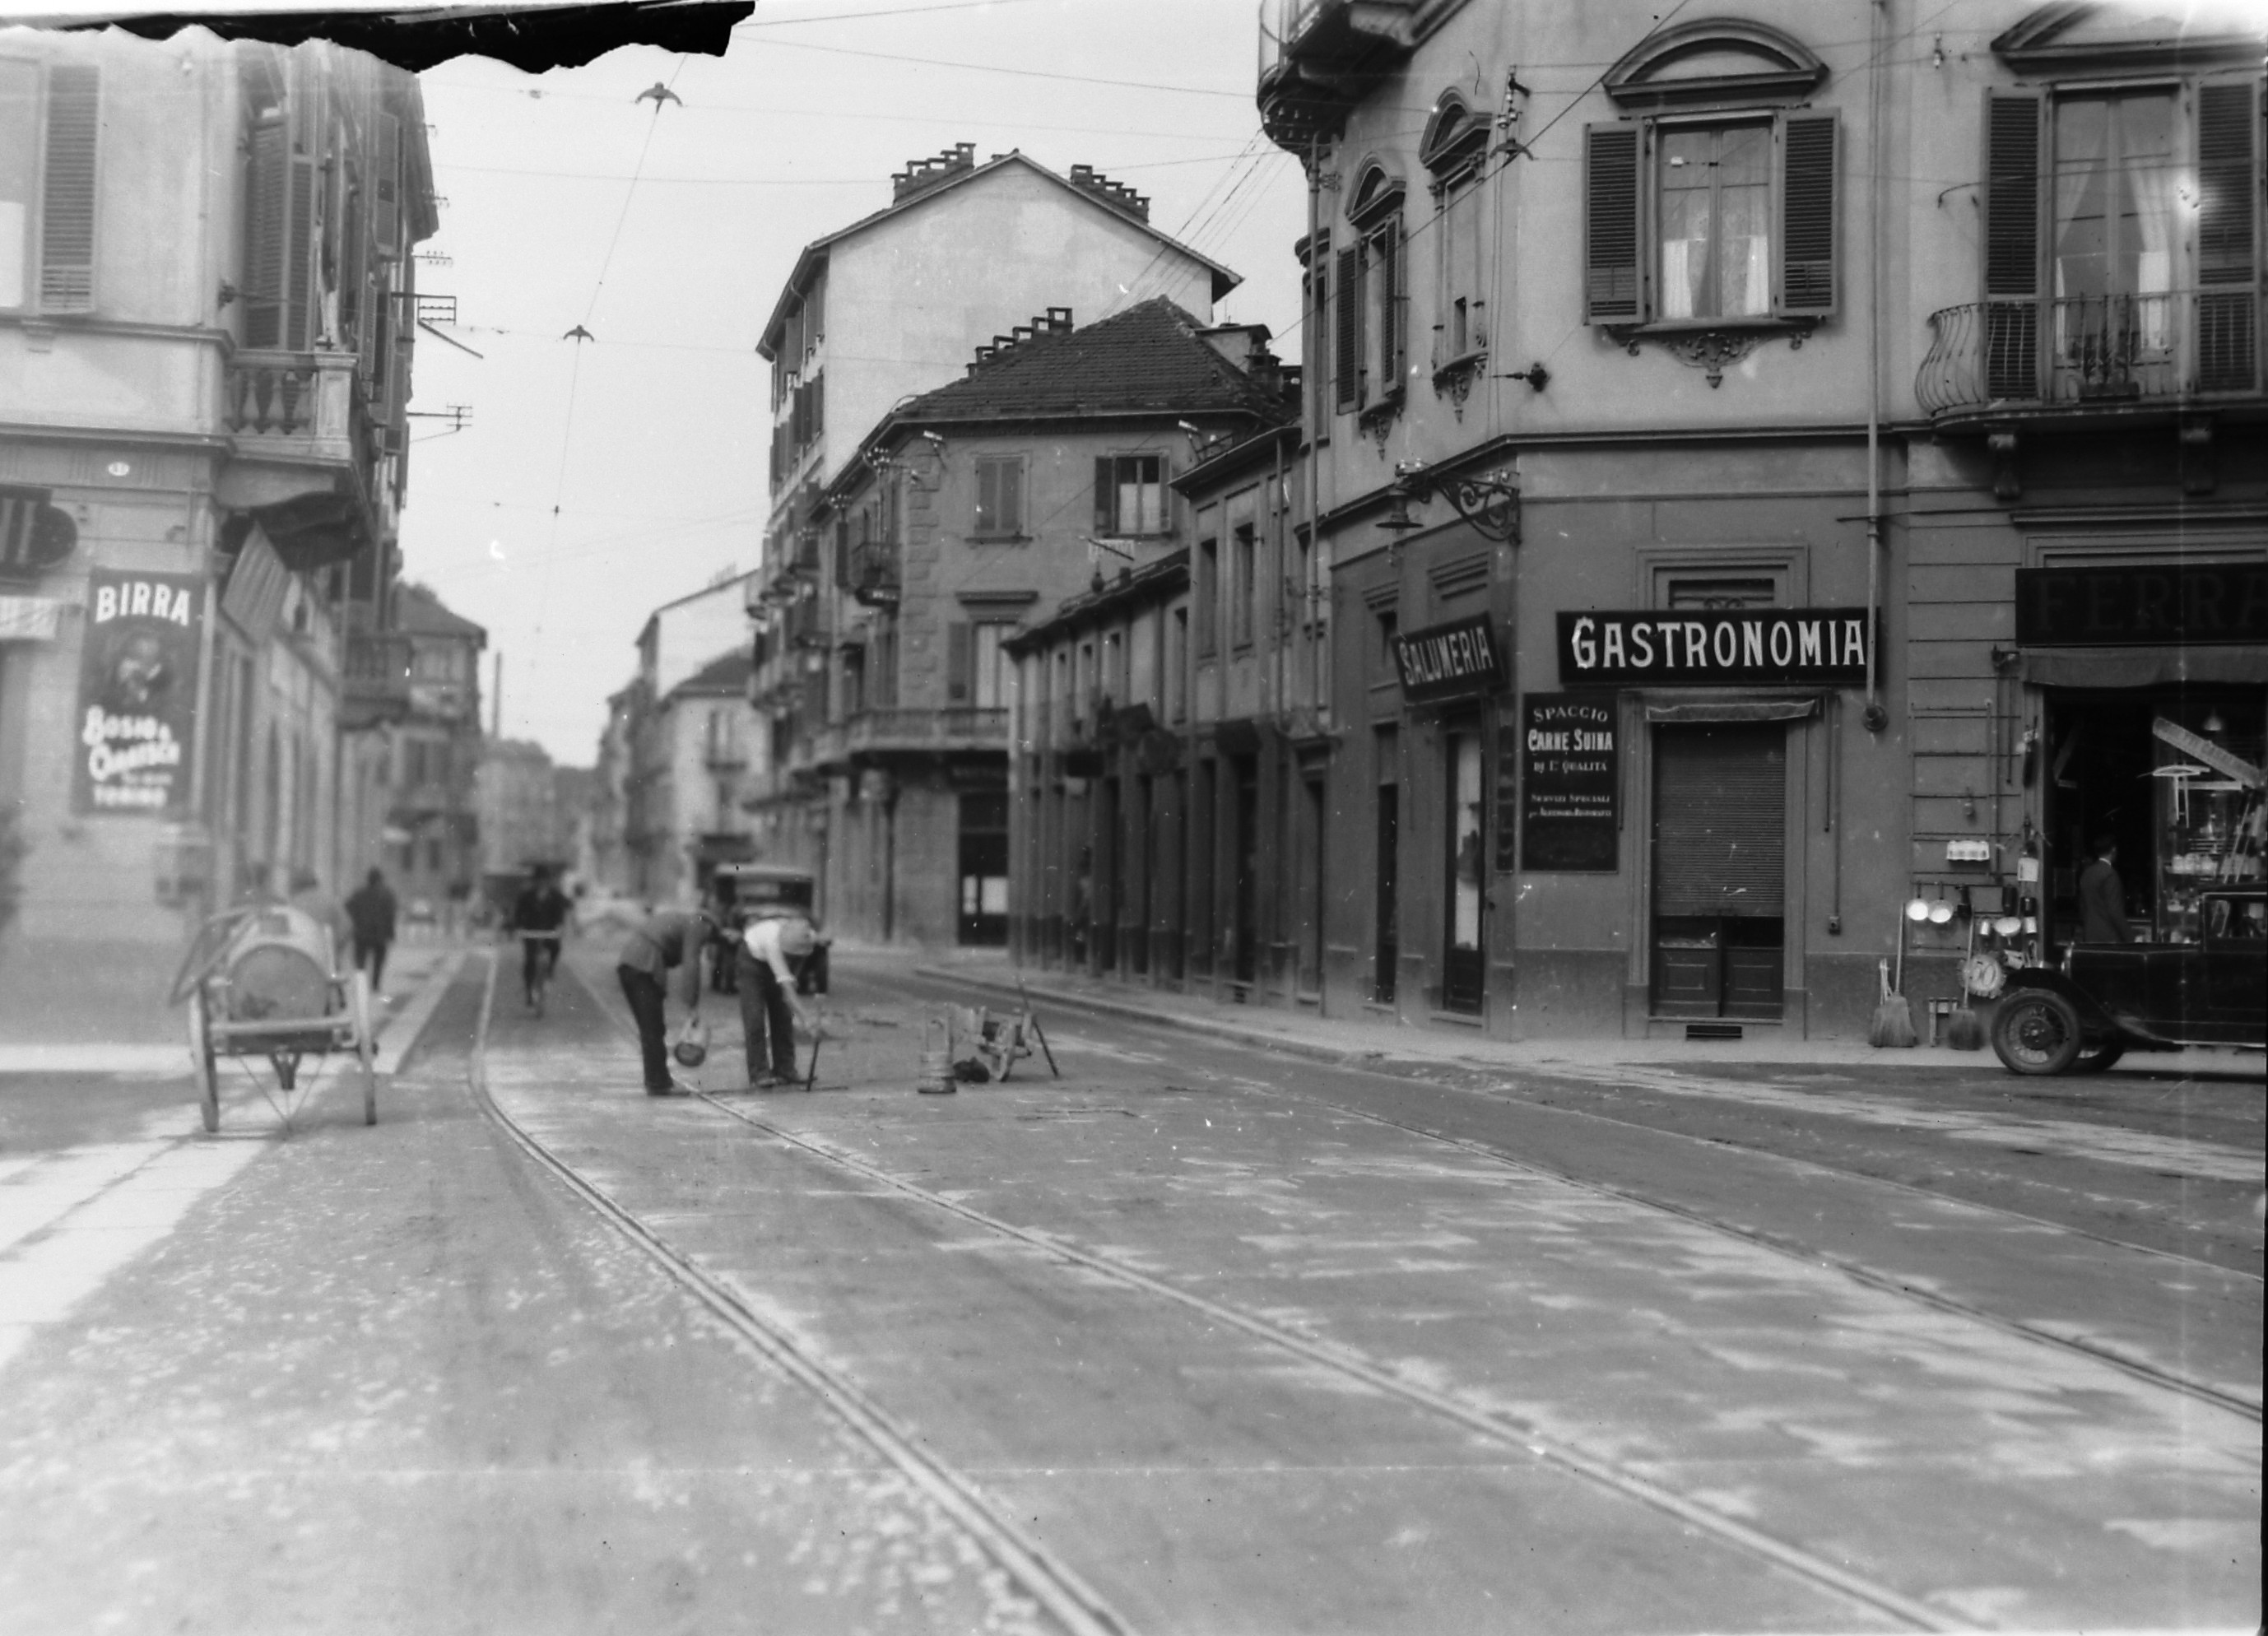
(371, 912)
(539, 917)
(2103, 897)
(768, 959)
(670, 939)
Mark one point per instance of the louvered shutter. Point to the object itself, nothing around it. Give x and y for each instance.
(818, 405)
(1808, 154)
(300, 258)
(1721, 806)
(1612, 283)
(353, 270)
(1318, 334)
(2012, 245)
(959, 662)
(1347, 342)
(385, 214)
(1011, 497)
(2229, 178)
(814, 307)
(1106, 495)
(266, 218)
(67, 206)
(1386, 250)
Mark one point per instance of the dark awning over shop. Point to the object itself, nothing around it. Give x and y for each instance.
(1736, 710)
(2143, 666)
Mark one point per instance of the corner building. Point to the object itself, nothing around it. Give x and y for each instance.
(1678, 515)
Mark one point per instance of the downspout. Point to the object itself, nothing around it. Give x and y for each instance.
(1317, 388)
(1875, 718)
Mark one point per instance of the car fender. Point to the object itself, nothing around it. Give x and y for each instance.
(2095, 1022)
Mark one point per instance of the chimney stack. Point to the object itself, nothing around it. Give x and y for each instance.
(920, 175)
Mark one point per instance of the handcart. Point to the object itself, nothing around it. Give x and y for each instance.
(263, 982)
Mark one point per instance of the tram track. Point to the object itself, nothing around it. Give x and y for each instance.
(1498, 1425)
(1059, 1590)
(1778, 1244)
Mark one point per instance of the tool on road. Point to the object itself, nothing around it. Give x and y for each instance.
(264, 982)
(818, 1037)
(1038, 1032)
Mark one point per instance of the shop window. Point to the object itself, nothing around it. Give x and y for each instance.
(999, 497)
(1466, 810)
(983, 868)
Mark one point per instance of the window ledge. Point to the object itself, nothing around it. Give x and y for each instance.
(1455, 379)
(1711, 344)
(1375, 418)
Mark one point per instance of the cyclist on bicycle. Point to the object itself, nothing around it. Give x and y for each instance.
(540, 915)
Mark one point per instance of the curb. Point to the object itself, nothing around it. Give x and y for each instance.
(405, 1027)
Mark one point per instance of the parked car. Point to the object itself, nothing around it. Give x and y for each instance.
(751, 892)
(2109, 998)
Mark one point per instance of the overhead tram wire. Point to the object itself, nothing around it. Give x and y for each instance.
(1018, 73)
(575, 372)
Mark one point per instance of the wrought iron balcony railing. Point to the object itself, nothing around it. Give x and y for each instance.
(2013, 357)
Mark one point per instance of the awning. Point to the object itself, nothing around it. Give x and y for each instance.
(1736, 710)
(2143, 666)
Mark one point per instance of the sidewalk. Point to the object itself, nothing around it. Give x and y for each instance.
(1386, 1043)
(415, 976)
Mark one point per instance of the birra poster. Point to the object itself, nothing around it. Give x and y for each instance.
(134, 730)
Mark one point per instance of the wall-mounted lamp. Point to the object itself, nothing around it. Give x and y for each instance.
(1490, 504)
(1535, 375)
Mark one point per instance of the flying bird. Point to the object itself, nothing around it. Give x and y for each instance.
(660, 93)
(578, 333)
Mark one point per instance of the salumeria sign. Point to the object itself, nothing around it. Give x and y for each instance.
(1713, 647)
(1447, 661)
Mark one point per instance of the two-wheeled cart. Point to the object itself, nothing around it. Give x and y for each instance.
(263, 982)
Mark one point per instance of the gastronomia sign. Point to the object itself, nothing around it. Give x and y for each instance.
(1714, 647)
(1451, 660)
(135, 726)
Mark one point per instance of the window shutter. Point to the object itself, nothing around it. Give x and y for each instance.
(67, 209)
(1809, 155)
(299, 260)
(2229, 177)
(1106, 495)
(988, 497)
(818, 405)
(1611, 282)
(959, 662)
(1011, 497)
(266, 216)
(2012, 244)
(386, 217)
(1318, 333)
(1386, 246)
(1347, 344)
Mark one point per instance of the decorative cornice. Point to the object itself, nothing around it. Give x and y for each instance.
(1712, 347)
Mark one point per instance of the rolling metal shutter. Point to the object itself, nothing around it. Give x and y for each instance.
(1721, 815)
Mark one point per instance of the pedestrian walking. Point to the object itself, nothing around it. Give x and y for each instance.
(767, 960)
(2103, 897)
(670, 940)
(371, 912)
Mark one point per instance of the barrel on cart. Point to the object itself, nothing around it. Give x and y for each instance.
(263, 983)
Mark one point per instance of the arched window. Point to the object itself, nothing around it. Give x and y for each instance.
(1369, 333)
(1456, 150)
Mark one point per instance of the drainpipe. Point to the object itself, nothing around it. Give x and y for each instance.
(1875, 718)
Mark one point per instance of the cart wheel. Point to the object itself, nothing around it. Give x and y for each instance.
(201, 1051)
(365, 1047)
(2037, 1032)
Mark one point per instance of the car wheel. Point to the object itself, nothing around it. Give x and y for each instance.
(2037, 1032)
(2095, 1060)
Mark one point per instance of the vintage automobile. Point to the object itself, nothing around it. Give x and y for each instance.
(751, 892)
(2109, 998)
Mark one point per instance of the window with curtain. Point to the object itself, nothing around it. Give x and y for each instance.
(2117, 191)
(1716, 222)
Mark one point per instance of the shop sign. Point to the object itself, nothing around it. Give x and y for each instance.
(1737, 647)
(1457, 660)
(135, 726)
(2135, 603)
(1571, 774)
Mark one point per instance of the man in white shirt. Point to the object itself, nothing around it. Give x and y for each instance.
(765, 965)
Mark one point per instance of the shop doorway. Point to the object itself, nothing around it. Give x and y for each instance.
(1719, 870)
(1463, 964)
(2107, 773)
(1246, 933)
(983, 847)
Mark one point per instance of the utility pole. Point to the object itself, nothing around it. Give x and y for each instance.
(495, 699)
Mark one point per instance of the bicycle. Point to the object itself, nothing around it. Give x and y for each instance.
(538, 966)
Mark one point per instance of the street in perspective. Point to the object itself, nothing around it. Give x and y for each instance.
(1467, 835)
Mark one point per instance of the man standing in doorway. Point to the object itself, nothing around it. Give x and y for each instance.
(670, 939)
(2103, 897)
(371, 911)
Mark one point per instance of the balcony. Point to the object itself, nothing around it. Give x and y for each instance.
(871, 574)
(1315, 57)
(375, 687)
(2092, 359)
(903, 732)
(305, 454)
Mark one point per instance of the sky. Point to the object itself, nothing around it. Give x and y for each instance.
(594, 481)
